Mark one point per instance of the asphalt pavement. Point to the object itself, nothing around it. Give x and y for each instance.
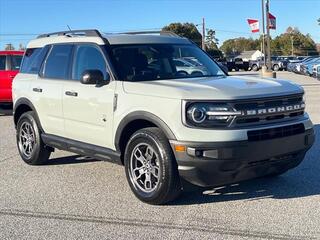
(75, 197)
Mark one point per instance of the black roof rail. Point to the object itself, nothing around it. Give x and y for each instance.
(85, 32)
(168, 33)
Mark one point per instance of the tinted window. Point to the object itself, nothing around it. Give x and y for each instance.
(33, 59)
(88, 57)
(15, 62)
(57, 63)
(146, 62)
(2, 62)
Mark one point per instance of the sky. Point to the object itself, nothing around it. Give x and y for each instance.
(22, 20)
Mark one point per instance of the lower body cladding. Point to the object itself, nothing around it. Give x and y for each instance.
(219, 163)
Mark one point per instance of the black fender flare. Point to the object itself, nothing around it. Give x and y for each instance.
(25, 101)
(142, 115)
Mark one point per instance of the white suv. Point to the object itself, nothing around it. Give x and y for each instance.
(121, 98)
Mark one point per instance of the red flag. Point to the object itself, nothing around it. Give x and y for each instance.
(254, 25)
(272, 22)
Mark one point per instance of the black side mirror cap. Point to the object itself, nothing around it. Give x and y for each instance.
(94, 76)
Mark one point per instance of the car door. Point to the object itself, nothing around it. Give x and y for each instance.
(4, 79)
(47, 88)
(88, 109)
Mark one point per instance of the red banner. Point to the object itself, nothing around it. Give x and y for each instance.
(254, 25)
(272, 22)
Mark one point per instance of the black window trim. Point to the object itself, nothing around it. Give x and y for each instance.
(100, 47)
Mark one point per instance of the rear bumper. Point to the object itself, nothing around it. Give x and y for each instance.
(214, 164)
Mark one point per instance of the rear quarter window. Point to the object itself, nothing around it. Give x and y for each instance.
(33, 59)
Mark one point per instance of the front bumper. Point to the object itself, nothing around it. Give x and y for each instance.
(218, 163)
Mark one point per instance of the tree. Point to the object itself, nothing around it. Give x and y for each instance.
(22, 47)
(293, 41)
(235, 46)
(188, 30)
(9, 46)
(211, 40)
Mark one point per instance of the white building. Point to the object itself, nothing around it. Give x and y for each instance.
(250, 55)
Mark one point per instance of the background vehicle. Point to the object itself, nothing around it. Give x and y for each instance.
(237, 64)
(277, 65)
(9, 67)
(128, 92)
(316, 71)
(307, 67)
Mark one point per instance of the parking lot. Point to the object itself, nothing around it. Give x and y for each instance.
(80, 198)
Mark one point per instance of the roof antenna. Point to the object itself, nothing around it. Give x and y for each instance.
(69, 28)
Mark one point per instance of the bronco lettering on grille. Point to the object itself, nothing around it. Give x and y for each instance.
(282, 109)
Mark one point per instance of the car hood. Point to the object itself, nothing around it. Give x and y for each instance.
(213, 88)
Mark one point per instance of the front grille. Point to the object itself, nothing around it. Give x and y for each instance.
(265, 103)
(272, 133)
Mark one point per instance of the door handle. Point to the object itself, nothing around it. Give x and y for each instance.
(72, 94)
(39, 90)
(11, 76)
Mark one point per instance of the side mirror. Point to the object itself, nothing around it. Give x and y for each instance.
(94, 77)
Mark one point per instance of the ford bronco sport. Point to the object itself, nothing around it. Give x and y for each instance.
(121, 98)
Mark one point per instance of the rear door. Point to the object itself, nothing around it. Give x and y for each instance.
(5, 81)
(88, 111)
(47, 88)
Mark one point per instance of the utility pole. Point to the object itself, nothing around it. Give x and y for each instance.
(268, 36)
(263, 36)
(292, 46)
(203, 34)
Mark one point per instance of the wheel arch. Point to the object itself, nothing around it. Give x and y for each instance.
(135, 121)
(20, 107)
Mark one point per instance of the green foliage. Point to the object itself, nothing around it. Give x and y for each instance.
(237, 45)
(211, 40)
(302, 44)
(188, 30)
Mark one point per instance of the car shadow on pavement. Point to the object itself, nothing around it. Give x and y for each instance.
(74, 159)
(5, 110)
(300, 182)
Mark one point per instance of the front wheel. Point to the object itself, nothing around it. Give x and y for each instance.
(31, 148)
(151, 169)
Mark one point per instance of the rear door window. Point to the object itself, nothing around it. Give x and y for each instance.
(58, 62)
(2, 62)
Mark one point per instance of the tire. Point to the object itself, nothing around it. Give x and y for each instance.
(30, 145)
(143, 181)
(276, 67)
(254, 68)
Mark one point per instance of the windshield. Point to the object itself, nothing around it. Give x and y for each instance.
(145, 62)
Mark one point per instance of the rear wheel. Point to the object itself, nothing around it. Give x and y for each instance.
(31, 148)
(151, 169)
(276, 67)
(255, 68)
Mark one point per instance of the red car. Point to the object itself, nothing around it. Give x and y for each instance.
(9, 67)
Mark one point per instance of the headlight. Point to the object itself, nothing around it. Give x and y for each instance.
(206, 114)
